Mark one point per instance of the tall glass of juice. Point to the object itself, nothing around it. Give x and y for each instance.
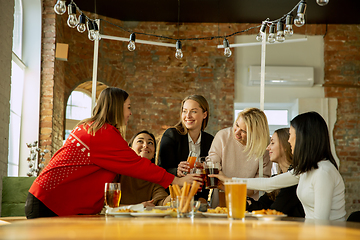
(235, 194)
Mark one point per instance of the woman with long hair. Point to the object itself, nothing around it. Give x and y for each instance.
(239, 148)
(285, 199)
(187, 135)
(321, 188)
(73, 181)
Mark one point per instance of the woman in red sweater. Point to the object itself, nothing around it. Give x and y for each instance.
(73, 181)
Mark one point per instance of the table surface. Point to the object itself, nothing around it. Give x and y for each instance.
(102, 227)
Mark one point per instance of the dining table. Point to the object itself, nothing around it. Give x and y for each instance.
(110, 227)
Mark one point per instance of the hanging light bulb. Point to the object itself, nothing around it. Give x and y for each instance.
(288, 25)
(91, 32)
(280, 36)
(227, 51)
(96, 30)
(81, 27)
(300, 20)
(60, 7)
(272, 36)
(72, 20)
(259, 37)
(131, 45)
(322, 2)
(178, 53)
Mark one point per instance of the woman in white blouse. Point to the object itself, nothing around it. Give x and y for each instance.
(321, 188)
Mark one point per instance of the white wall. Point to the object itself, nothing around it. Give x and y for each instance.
(306, 54)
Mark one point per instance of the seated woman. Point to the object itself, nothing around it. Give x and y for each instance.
(285, 199)
(134, 190)
(321, 188)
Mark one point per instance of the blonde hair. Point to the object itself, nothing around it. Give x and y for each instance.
(109, 109)
(180, 127)
(257, 129)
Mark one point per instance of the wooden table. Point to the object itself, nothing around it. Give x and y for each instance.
(101, 227)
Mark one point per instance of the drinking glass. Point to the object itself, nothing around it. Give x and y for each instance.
(235, 194)
(199, 169)
(211, 168)
(191, 160)
(112, 194)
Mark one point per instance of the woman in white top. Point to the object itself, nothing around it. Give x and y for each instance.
(321, 188)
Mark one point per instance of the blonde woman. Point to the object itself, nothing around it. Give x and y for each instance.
(73, 181)
(239, 148)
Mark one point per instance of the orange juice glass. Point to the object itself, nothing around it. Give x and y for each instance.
(192, 159)
(235, 194)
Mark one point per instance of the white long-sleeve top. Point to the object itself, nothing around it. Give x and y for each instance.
(321, 191)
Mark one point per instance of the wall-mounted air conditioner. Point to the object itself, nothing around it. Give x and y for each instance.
(283, 76)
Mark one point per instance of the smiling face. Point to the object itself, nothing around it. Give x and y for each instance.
(292, 138)
(127, 111)
(275, 149)
(192, 115)
(144, 146)
(240, 132)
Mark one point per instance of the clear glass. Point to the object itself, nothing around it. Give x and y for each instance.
(112, 195)
(289, 30)
(179, 54)
(211, 168)
(280, 36)
(131, 46)
(186, 207)
(60, 7)
(272, 38)
(235, 195)
(227, 52)
(299, 20)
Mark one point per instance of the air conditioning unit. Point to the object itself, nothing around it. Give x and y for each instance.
(283, 76)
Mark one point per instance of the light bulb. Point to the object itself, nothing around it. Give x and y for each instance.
(81, 27)
(227, 51)
(272, 36)
(131, 45)
(259, 36)
(322, 2)
(72, 20)
(60, 7)
(179, 54)
(288, 25)
(300, 18)
(280, 36)
(91, 32)
(96, 30)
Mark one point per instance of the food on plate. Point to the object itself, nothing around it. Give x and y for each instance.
(125, 210)
(218, 210)
(267, 212)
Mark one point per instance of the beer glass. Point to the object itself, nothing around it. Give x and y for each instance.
(235, 194)
(112, 194)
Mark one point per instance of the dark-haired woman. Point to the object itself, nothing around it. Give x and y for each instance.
(321, 188)
(285, 199)
(73, 182)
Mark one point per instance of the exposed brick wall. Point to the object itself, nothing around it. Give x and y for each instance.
(342, 81)
(157, 81)
(6, 29)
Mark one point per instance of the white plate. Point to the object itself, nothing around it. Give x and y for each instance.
(150, 214)
(215, 215)
(268, 217)
(120, 214)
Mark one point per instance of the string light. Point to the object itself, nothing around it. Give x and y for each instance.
(227, 51)
(178, 53)
(93, 30)
(280, 36)
(259, 37)
(60, 7)
(322, 2)
(300, 18)
(131, 45)
(272, 37)
(288, 25)
(72, 20)
(81, 27)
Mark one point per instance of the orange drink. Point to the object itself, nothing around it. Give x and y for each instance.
(191, 160)
(235, 194)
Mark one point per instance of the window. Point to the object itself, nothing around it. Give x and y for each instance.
(17, 85)
(78, 108)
